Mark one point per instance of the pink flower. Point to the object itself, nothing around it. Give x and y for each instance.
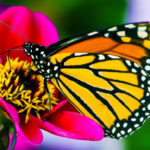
(19, 22)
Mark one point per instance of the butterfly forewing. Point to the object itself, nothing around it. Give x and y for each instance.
(131, 41)
(111, 90)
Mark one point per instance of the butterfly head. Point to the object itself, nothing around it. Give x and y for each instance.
(36, 52)
(39, 58)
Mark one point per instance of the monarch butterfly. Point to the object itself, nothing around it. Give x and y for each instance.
(104, 74)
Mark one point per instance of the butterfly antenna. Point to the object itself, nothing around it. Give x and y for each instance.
(8, 53)
(14, 30)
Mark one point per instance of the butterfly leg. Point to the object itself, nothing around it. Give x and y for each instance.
(45, 85)
(14, 140)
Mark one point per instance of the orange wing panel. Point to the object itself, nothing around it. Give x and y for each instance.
(94, 45)
(107, 46)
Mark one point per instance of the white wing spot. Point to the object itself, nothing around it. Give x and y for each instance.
(143, 108)
(148, 61)
(136, 114)
(149, 89)
(113, 130)
(147, 114)
(56, 68)
(37, 49)
(130, 26)
(32, 56)
(148, 106)
(106, 34)
(80, 54)
(141, 119)
(125, 125)
(41, 62)
(136, 65)
(128, 62)
(142, 28)
(148, 82)
(122, 132)
(143, 78)
(118, 135)
(44, 55)
(56, 75)
(142, 34)
(142, 85)
(143, 72)
(113, 29)
(113, 56)
(136, 125)
(36, 56)
(129, 130)
(48, 71)
(42, 52)
(133, 70)
(147, 68)
(117, 125)
(133, 119)
(48, 64)
(121, 33)
(92, 33)
(147, 94)
(101, 57)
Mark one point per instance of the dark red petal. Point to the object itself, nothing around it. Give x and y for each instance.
(31, 130)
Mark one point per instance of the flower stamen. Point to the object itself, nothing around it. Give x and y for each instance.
(25, 90)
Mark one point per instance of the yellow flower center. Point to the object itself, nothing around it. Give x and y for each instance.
(25, 90)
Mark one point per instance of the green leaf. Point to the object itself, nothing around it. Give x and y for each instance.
(6, 127)
(4, 139)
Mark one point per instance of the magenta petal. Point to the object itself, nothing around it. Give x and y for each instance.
(33, 25)
(29, 131)
(13, 114)
(46, 28)
(22, 144)
(73, 125)
(25, 26)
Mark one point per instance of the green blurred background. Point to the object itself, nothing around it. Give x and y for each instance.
(73, 17)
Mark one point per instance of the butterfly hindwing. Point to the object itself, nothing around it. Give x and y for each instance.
(111, 90)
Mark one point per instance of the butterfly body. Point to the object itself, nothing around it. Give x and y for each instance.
(102, 75)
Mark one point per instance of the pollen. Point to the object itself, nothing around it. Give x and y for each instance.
(25, 90)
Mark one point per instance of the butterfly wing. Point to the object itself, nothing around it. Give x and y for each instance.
(114, 90)
(111, 90)
(131, 41)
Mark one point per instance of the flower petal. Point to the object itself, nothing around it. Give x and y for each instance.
(29, 131)
(21, 24)
(13, 114)
(22, 144)
(32, 131)
(73, 125)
